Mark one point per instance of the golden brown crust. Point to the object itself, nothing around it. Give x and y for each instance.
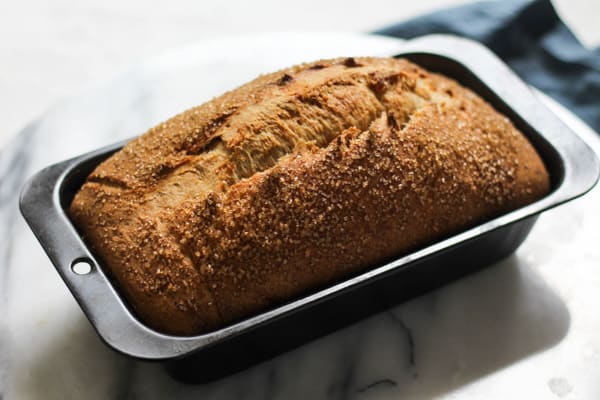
(295, 180)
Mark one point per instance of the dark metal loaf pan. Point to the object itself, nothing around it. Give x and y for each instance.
(572, 164)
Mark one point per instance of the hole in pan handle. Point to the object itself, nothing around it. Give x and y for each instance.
(82, 266)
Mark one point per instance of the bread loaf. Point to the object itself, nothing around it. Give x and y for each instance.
(294, 181)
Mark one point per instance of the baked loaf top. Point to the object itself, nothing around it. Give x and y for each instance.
(295, 180)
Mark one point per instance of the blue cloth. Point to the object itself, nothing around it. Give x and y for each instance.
(530, 37)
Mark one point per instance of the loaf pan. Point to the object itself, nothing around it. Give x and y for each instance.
(573, 168)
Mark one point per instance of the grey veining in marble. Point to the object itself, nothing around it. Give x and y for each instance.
(525, 327)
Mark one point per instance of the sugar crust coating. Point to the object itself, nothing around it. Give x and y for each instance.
(293, 181)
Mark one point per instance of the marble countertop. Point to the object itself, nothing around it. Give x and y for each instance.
(526, 327)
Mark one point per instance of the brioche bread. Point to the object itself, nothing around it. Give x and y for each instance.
(294, 181)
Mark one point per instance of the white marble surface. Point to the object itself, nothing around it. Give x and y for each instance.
(526, 327)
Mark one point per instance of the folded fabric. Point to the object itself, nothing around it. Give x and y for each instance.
(530, 37)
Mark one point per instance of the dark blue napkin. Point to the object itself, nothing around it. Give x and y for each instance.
(530, 37)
